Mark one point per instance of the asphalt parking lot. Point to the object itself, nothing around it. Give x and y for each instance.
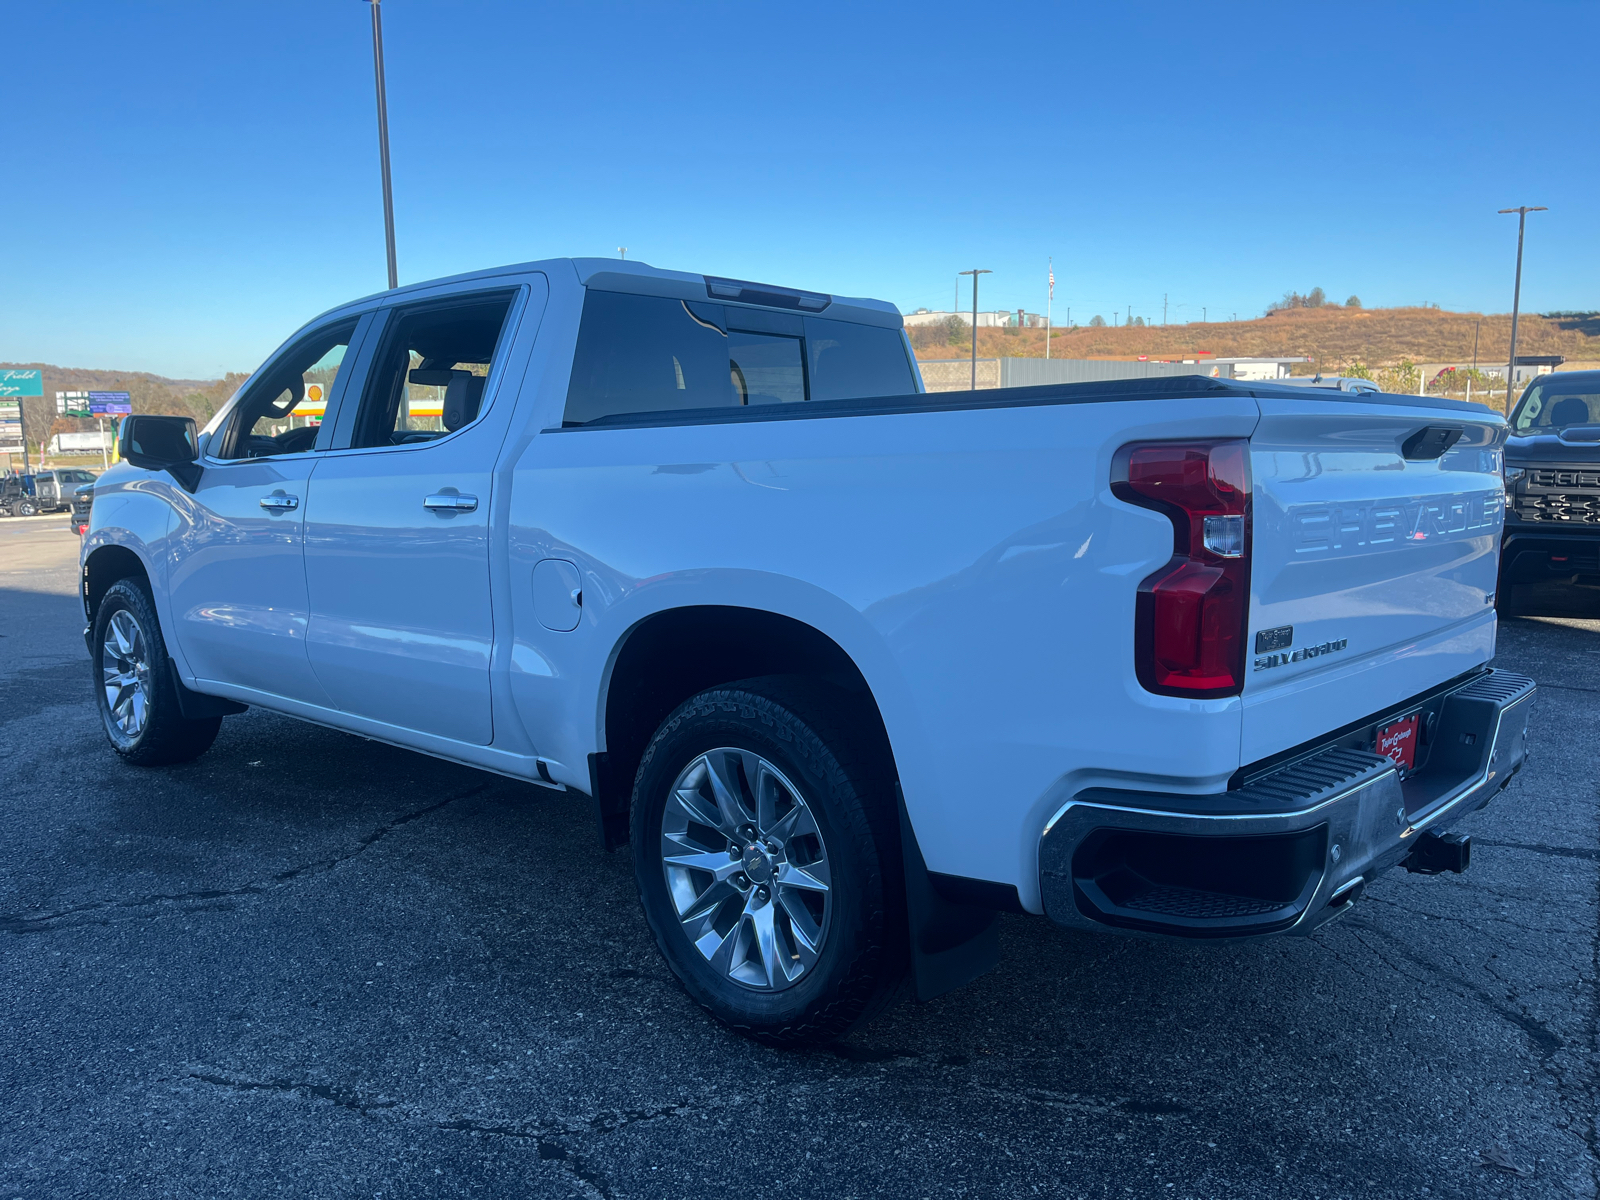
(312, 965)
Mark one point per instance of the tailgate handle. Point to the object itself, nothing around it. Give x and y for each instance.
(1430, 442)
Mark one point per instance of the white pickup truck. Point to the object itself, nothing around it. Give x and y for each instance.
(852, 667)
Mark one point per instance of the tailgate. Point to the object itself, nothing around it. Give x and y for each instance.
(1372, 574)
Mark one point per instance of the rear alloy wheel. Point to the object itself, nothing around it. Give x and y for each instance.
(765, 857)
(746, 869)
(27, 508)
(137, 698)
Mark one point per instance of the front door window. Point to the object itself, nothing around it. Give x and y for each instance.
(282, 411)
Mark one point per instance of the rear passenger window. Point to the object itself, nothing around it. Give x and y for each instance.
(651, 354)
(429, 374)
(850, 360)
(765, 369)
(640, 354)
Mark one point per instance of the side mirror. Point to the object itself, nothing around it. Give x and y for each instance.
(163, 444)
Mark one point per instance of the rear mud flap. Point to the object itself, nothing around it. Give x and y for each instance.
(951, 944)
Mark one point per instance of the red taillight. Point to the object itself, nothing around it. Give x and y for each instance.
(1192, 614)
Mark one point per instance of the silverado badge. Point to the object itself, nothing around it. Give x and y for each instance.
(1265, 662)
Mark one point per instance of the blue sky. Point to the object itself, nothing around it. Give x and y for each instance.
(188, 182)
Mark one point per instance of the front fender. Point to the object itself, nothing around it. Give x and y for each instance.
(133, 510)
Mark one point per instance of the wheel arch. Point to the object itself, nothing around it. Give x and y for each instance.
(105, 566)
(674, 653)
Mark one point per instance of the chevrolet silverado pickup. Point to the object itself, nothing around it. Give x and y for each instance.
(1552, 469)
(850, 667)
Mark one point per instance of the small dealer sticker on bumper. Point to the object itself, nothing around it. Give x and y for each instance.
(1398, 741)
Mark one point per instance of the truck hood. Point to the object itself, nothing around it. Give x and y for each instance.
(1579, 444)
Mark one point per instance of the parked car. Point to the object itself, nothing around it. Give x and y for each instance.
(82, 505)
(851, 667)
(1552, 479)
(53, 489)
(29, 495)
(17, 498)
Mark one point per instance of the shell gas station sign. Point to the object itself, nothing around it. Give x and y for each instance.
(315, 405)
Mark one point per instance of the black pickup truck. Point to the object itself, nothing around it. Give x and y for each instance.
(1552, 472)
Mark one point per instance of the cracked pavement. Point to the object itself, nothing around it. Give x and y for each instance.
(312, 965)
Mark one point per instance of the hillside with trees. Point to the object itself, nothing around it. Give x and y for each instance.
(1336, 338)
(197, 398)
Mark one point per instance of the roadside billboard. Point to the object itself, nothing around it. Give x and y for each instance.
(72, 404)
(109, 404)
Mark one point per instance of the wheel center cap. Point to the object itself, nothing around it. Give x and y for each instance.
(757, 864)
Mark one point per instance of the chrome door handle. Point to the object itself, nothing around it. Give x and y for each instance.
(450, 502)
(280, 503)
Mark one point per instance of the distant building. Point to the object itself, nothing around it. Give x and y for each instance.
(998, 319)
(1530, 365)
(1258, 368)
(955, 374)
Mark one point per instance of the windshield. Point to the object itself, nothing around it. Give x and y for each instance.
(1558, 401)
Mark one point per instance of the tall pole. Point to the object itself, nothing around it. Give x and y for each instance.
(1476, 329)
(975, 272)
(1048, 304)
(1516, 296)
(383, 139)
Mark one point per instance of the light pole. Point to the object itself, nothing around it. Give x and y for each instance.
(383, 138)
(1516, 296)
(975, 272)
(1049, 304)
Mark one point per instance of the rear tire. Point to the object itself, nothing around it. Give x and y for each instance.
(135, 695)
(749, 797)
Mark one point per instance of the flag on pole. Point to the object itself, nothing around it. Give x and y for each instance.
(1052, 279)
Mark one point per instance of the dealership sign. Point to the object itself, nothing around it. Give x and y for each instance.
(21, 383)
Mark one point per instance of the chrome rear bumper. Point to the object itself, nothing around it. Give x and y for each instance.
(1287, 851)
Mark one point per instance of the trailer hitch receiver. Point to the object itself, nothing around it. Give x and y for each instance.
(1436, 852)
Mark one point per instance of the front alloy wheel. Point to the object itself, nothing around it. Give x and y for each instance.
(138, 697)
(125, 673)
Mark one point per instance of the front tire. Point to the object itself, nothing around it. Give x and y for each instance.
(137, 699)
(766, 856)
